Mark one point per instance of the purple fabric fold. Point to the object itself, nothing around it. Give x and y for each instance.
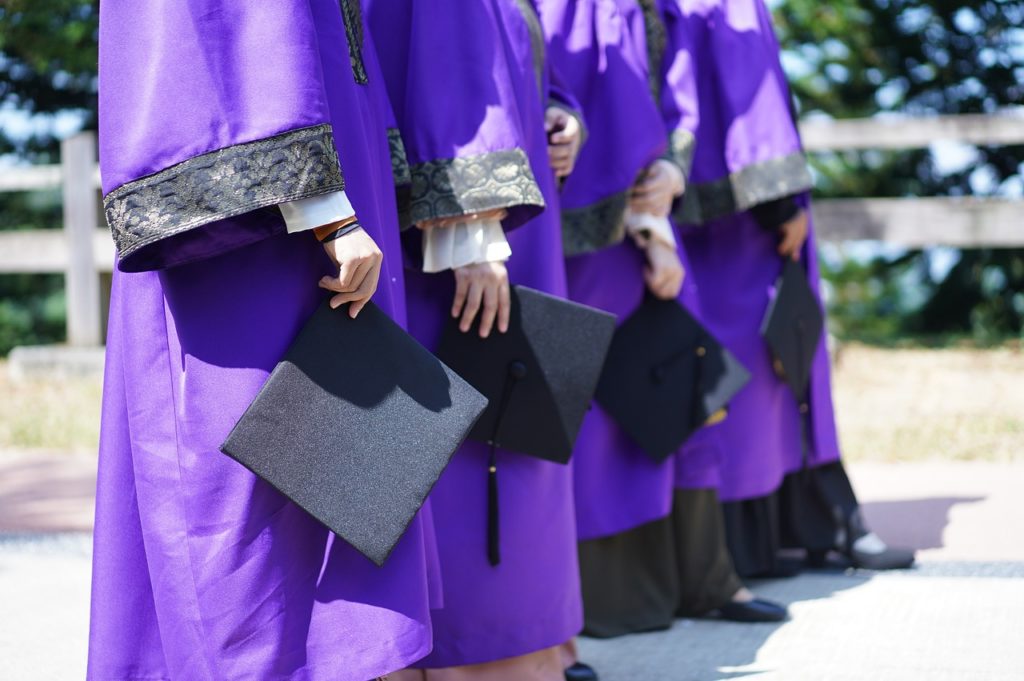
(599, 51)
(458, 98)
(602, 47)
(745, 121)
(180, 80)
(464, 80)
(201, 570)
(733, 55)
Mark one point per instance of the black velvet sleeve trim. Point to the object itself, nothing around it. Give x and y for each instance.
(773, 214)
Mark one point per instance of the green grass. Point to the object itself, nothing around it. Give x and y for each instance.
(50, 415)
(912, 404)
(892, 404)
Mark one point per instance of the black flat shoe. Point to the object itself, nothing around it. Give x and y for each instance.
(890, 559)
(881, 557)
(580, 672)
(757, 610)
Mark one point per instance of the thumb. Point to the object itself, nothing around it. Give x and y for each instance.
(554, 119)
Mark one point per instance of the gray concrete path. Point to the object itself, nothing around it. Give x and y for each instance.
(959, 616)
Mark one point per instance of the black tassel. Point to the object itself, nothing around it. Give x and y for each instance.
(516, 372)
(493, 522)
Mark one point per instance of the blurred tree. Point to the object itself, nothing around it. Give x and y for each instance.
(853, 58)
(47, 66)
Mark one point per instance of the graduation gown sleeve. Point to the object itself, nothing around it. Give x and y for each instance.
(211, 114)
(597, 51)
(457, 108)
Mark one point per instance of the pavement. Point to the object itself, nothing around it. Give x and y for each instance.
(957, 616)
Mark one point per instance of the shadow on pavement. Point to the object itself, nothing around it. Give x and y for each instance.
(707, 649)
(914, 523)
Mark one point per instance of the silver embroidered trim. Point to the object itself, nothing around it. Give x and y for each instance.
(399, 159)
(748, 187)
(657, 39)
(294, 165)
(352, 15)
(538, 43)
(681, 145)
(450, 187)
(594, 227)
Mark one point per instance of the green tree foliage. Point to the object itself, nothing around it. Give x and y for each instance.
(31, 305)
(47, 65)
(853, 58)
(856, 58)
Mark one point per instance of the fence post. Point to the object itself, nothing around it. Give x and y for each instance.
(78, 165)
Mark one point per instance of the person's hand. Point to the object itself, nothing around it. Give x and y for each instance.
(482, 288)
(664, 272)
(358, 260)
(793, 234)
(565, 137)
(657, 188)
(496, 214)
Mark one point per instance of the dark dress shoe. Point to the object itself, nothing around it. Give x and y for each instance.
(757, 610)
(580, 672)
(882, 558)
(890, 559)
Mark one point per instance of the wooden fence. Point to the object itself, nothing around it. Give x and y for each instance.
(83, 251)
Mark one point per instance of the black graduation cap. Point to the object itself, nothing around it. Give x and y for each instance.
(666, 376)
(792, 327)
(355, 425)
(539, 377)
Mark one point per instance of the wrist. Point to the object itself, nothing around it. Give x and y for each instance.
(676, 173)
(336, 230)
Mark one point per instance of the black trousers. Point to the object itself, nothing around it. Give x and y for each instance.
(811, 511)
(642, 579)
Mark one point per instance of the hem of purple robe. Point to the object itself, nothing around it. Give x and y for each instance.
(397, 663)
(440, 658)
(752, 489)
(708, 479)
(610, 529)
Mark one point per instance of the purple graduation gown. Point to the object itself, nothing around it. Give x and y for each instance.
(469, 85)
(603, 50)
(211, 115)
(747, 153)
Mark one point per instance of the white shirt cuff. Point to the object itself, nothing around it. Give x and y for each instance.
(465, 243)
(306, 214)
(644, 226)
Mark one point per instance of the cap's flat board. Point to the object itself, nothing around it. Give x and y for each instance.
(355, 425)
(665, 376)
(561, 345)
(793, 326)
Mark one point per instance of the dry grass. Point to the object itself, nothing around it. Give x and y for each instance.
(52, 415)
(892, 405)
(915, 404)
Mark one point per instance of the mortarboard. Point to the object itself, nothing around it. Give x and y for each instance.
(355, 425)
(666, 376)
(792, 327)
(539, 378)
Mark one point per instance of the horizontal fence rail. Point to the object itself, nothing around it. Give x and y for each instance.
(82, 251)
(997, 129)
(923, 222)
(47, 251)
